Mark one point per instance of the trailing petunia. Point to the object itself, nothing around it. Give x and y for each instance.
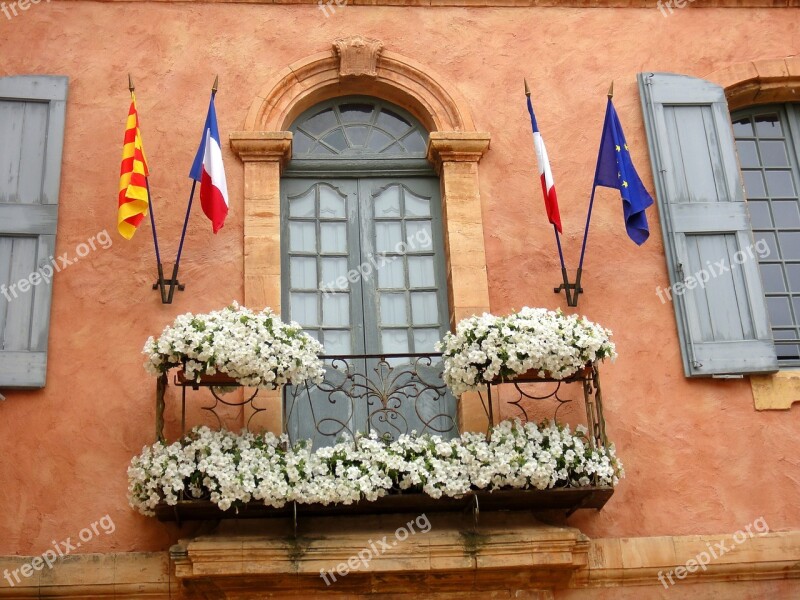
(254, 348)
(231, 469)
(489, 347)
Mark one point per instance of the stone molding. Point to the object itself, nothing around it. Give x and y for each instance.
(760, 82)
(397, 78)
(649, 4)
(262, 146)
(521, 555)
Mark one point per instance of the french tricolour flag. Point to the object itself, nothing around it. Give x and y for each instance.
(209, 171)
(548, 185)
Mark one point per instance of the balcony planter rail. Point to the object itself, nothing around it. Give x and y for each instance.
(378, 432)
(385, 395)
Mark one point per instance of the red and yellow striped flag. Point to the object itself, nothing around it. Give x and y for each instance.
(133, 197)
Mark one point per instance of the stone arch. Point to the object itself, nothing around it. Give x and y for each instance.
(760, 82)
(358, 65)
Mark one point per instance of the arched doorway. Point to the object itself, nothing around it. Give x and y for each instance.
(356, 65)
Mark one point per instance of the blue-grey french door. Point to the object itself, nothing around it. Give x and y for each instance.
(364, 272)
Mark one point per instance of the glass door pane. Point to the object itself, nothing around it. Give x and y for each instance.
(405, 303)
(320, 249)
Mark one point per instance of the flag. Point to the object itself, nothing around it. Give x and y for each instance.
(615, 170)
(210, 172)
(134, 199)
(548, 185)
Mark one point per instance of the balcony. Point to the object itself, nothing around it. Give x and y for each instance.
(389, 396)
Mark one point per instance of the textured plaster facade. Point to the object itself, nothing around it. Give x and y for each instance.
(700, 459)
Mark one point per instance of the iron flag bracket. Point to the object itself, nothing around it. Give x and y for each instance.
(571, 290)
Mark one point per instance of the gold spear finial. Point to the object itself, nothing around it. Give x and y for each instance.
(216, 84)
(527, 89)
(611, 90)
(130, 83)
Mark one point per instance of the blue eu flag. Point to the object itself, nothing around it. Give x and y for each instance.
(615, 170)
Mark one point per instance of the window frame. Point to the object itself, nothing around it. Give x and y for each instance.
(789, 116)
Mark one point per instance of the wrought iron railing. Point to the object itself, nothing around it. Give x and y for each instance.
(385, 394)
(394, 394)
(389, 395)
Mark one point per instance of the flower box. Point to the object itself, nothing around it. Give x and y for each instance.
(217, 379)
(563, 499)
(230, 469)
(536, 376)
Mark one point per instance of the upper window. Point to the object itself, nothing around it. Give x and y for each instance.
(767, 140)
(357, 127)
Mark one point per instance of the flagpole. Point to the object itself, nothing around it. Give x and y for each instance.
(566, 285)
(159, 285)
(186, 219)
(594, 187)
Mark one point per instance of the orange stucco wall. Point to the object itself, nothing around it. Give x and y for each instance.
(699, 459)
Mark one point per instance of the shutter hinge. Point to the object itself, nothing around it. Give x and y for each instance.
(680, 272)
(697, 364)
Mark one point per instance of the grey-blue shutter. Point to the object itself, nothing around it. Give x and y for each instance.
(723, 325)
(32, 110)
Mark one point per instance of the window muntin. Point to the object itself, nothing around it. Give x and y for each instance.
(766, 141)
(357, 127)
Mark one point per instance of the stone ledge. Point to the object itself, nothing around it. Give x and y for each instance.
(131, 575)
(511, 3)
(513, 558)
(776, 392)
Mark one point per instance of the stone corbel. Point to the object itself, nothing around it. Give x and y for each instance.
(262, 146)
(456, 146)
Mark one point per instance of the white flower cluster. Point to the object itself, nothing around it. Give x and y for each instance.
(256, 349)
(231, 469)
(488, 347)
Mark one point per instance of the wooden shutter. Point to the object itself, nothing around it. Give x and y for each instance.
(32, 112)
(722, 324)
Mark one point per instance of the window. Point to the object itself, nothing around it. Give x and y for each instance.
(32, 112)
(767, 144)
(362, 259)
(358, 127)
(719, 301)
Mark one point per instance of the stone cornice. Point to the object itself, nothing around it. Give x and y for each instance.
(262, 146)
(506, 3)
(457, 146)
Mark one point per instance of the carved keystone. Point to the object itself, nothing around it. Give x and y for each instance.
(358, 56)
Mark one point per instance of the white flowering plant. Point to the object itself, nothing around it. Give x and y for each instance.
(254, 348)
(231, 469)
(487, 348)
